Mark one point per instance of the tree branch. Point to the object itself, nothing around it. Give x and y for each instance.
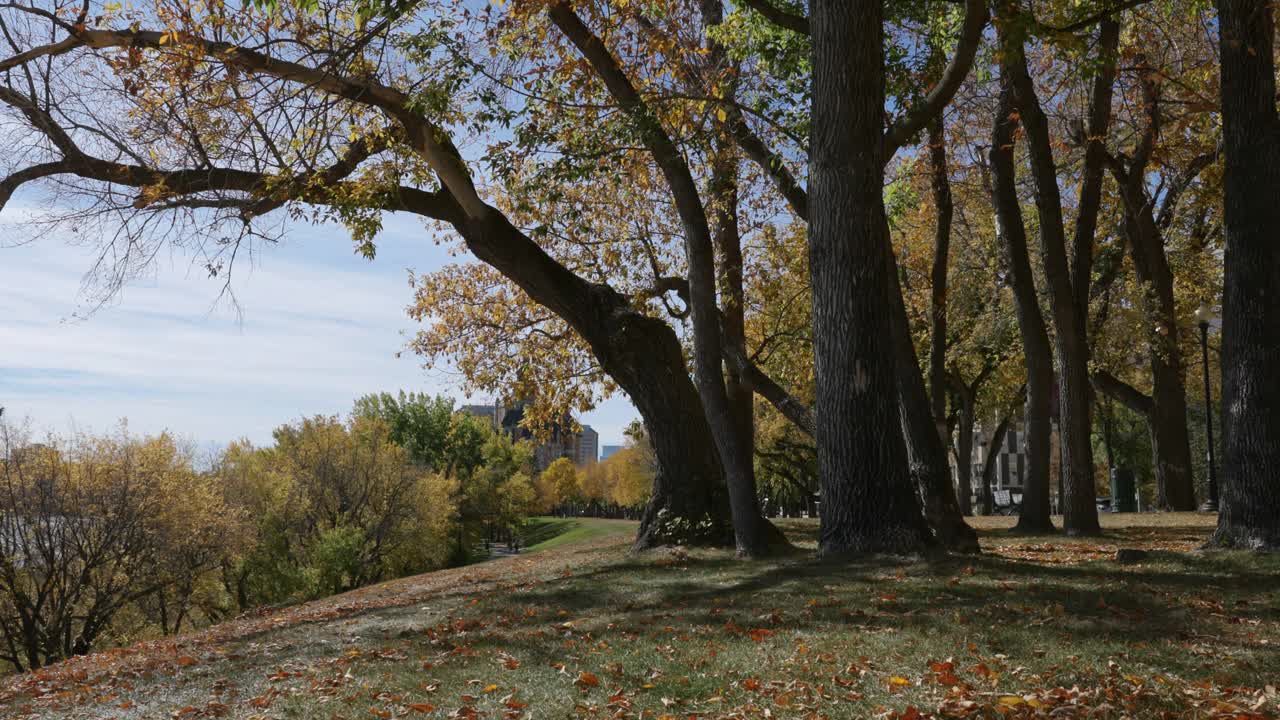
(906, 126)
(774, 167)
(1096, 17)
(1090, 197)
(427, 138)
(776, 15)
(1123, 392)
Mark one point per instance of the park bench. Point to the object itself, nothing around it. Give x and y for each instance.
(1003, 504)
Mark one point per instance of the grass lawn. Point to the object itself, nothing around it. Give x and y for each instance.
(1034, 627)
(545, 533)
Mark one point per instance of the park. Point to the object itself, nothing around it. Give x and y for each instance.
(662, 359)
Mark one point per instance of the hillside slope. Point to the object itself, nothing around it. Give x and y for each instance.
(1032, 628)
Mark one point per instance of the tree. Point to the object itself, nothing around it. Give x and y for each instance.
(1067, 301)
(842, 317)
(726, 420)
(558, 485)
(419, 424)
(374, 139)
(92, 525)
(1159, 177)
(868, 504)
(1250, 504)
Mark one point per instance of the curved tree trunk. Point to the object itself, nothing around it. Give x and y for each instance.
(868, 504)
(722, 192)
(1167, 414)
(644, 356)
(699, 245)
(1034, 514)
(1250, 503)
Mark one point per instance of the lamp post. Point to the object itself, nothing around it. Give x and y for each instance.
(1204, 315)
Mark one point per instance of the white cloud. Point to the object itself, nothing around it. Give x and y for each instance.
(318, 327)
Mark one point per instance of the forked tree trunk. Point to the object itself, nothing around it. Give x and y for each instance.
(1167, 412)
(1071, 349)
(1033, 516)
(1250, 502)
(722, 194)
(868, 504)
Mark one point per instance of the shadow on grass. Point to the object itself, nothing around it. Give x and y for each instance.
(1159, 613)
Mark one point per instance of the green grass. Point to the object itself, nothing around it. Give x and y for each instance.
(1034, 627)
(545, 533)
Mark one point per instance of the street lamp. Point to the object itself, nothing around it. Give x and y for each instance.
(1204, 316)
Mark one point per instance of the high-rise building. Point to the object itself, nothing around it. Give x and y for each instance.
(608, 450)
(588, 446)
(581, 447)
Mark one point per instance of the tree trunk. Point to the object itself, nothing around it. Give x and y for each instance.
(734, 450)
(1167, 415)
(1034, 514)
(989, 468)
(940, 183)
(1071, 350)
(722, 195)
(1170, 442)
(964, 451)
(1096, 131)
(867, 501)
(926, 455)
(1250, 502)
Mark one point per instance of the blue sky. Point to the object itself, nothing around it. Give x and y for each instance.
(318, 326)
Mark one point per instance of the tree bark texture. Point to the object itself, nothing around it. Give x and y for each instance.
(1167, 417)
(1250, 498)
(940, 185)
(868, 504)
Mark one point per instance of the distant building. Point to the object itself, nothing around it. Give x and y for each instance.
(581, 447)
(588, 446)
(608, 450)
(493, 412)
